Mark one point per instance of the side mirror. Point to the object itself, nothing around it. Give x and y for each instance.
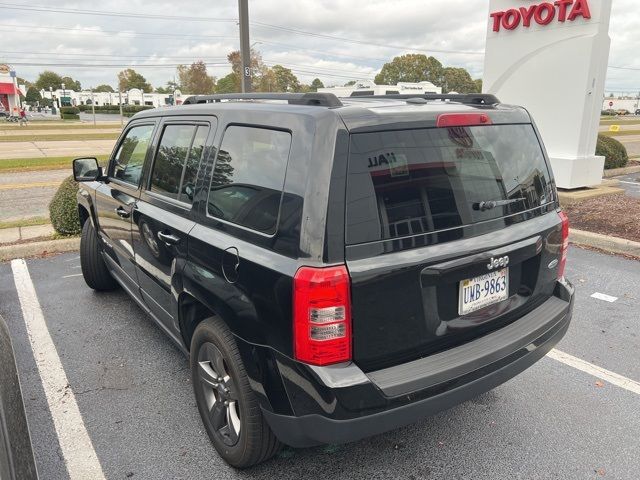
(86, 169)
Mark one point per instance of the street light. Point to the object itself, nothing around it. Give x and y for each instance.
(53, 105)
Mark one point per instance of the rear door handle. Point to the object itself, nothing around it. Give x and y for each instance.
(168, 238)
(122, 212)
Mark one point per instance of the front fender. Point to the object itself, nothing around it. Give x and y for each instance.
(86, 199)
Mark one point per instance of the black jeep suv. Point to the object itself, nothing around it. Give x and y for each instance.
(333, 268)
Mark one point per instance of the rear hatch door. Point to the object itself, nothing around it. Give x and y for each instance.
(451, 233)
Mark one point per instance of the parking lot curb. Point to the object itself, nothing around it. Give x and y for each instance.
(32, 249)
(621, 171)
(604, 242)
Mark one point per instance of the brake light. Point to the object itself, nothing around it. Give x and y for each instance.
(322, 315)
(462, 120)
(565, 244)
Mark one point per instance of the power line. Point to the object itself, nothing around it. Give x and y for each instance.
(78, 11)
(207, 19)
(188, 58)
(177, 35)
(360, 42)
(143, 66)
(117, 32)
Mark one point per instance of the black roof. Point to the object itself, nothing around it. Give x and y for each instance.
(363, 113)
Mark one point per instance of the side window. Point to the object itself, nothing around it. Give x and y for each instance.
(248, 178)
(193, 162)
(130, 156)
(177, 160)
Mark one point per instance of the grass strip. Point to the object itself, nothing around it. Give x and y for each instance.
(59, 138)
(620, 121)
(621, 133)
(43, 163)
(25, 222)
(57, 126)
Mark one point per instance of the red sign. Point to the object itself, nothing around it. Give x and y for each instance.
(543, 14)
(611, 104)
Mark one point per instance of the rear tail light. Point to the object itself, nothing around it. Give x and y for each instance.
(565, 244)
(322, 315)
(462, 120)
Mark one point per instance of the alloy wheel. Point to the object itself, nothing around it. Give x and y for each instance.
(220, 394)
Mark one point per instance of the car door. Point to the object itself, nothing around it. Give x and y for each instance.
(162, 219)
(116, 198)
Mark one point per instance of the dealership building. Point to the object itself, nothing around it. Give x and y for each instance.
(135, 96)
(361, 89)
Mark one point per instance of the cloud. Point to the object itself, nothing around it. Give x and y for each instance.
(451, 30)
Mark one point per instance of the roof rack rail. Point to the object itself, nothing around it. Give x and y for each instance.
(467, 98)
(317, 99)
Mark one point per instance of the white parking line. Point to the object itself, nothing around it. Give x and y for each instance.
(74, 275)
(78, 452)
(599, 372)
(604, 297)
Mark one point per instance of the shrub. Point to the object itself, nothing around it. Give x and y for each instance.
(63, 209)
(69, 113)
(72, 110)
(613, 151)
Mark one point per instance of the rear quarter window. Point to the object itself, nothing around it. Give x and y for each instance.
(248, 177)
(411, 182)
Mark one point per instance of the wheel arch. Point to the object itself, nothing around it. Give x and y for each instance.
(85, 207)
(259, 362)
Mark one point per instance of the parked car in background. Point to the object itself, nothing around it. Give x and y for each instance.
(623, 111)
(334, 268)
(16, 454)
(608, 113)
(637, 112)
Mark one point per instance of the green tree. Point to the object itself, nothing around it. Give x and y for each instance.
(171, 86)
(457, 80)
(228, 84)
(285, 80)
(71, 84)
(316, 84)
(22, 81)
(48, 79)
(478, 83)
(267, 81)
(350, 83)
(412, 67)
(104, 88)
(129, 78)
(258, 68)
(33, 95)
(195, 80)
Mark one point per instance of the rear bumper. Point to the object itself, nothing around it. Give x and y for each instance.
(420, 389)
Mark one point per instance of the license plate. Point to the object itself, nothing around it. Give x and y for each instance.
(482, 291)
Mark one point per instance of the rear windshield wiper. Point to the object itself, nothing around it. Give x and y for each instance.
(491, 204)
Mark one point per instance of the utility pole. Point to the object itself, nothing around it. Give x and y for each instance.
(245, 48)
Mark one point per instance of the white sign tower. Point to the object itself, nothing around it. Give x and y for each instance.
(551, 58)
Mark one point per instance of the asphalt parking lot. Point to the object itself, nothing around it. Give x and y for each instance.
(132, 389)
(631, 183)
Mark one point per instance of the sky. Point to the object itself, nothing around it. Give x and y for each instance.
(334, 40)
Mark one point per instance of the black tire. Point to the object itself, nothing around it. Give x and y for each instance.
(255, 441)
(94, 270)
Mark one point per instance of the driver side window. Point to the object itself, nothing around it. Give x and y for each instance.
(177, 160)
(129, 159)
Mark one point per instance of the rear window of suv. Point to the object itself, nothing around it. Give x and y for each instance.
(411, 182)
